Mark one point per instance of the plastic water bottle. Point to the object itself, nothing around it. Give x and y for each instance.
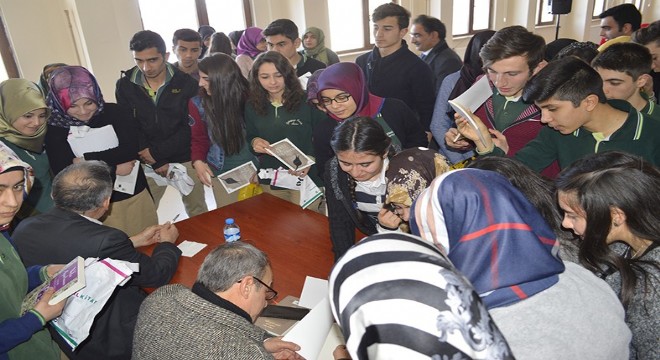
(232, 231)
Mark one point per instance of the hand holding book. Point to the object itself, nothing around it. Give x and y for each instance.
(475, 130)
(47, 311)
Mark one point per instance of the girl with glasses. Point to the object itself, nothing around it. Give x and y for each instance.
(343, 92)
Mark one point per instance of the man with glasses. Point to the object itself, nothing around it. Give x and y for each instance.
(215, 318)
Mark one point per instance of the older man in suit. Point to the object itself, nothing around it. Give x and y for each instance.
(81, 193)
(428, 35)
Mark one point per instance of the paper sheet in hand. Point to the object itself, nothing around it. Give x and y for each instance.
(471, 99)
(290, 155)
(190, 248)
(238, 177)
(313, 292)
(126, 183)
(84, 139)
(311, 332)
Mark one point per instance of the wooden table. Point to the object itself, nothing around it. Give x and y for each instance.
(296, 241)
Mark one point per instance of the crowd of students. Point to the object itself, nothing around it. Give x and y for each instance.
(545, 246)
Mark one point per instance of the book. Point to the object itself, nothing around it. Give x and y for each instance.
(471, 100)
(289, 154)
(238, 177)
(67, 281)
(274, 323)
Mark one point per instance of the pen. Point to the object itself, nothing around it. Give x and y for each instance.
(458, 137)
(176, 217)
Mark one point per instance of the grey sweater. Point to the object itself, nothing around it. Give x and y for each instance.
(643, 312)
(580, 317)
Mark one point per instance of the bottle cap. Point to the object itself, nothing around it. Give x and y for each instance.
(229, 221)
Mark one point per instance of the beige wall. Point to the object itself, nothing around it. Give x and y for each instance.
(95, 33)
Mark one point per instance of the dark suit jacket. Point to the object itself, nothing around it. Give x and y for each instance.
(58, 236)
(443, 61)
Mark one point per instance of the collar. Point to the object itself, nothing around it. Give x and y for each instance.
(96, 221)
(507, 98)
(208, 295)
(404, 47)
(440, 47)
(303, 60)
(381, 180)
(632, 128)
(137, 77)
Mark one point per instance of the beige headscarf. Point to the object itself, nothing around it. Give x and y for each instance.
(17, 97)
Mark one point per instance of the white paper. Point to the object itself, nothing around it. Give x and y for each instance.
(126, 183)
(177, 177)
(471, 100)
(84, 139)
(304, 79)
(335, 337)
(311, 332)
(190, 248)
(313, 292)
(309, 192)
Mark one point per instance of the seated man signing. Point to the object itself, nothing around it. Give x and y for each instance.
(213, 320)
(580, 120)
(81, 193)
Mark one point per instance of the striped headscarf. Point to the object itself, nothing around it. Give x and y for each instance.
(491, 233)
(397, 297)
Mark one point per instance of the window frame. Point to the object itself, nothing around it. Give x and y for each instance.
(594, 16)
(7, 53)
(539, 17)
(203, 16)
(471, 30)
(366, 31)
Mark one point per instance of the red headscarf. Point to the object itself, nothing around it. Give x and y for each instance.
(349, 77)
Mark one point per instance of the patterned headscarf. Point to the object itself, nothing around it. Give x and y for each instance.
(17, 97)
(398, 297)
(491, 233)
(410, 172)
(318, 52)
(10, 161)
(349, 77)
(248, 42)
(69, 84)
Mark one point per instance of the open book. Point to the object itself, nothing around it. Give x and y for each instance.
(471, 100)
(66, 282)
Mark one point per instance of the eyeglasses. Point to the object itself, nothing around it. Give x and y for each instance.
(341, 98)
(270, 292)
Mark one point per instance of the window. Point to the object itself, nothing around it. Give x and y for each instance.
(599, 7)
(544, 14)
(477, 19)
(227, 15)
(166, 16)
(350, 24)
